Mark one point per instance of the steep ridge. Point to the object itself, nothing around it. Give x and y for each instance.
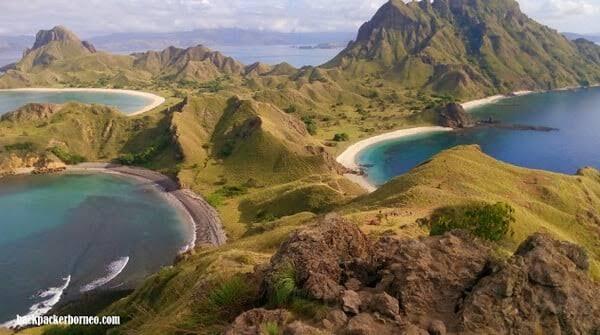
(58, 58)
(195, 63)
(467, 48)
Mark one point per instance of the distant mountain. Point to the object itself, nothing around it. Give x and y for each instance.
(226, 36)
(467, 48)
(590, 37)
(58, 57)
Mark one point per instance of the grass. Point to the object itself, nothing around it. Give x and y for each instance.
(491, 222)
(542, 201)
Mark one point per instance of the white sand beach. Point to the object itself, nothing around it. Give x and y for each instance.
(156, 100)
(349, 156)
(494, 98)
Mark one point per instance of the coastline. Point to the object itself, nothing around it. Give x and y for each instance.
(156, 100)
(203, 218)
(349, 156)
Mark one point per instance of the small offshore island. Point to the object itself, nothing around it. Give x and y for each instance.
(354, 197)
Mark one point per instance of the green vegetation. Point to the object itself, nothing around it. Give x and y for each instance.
(271, 328)
(241, 141)
(491, 222)
(67, 157)
(231, 297)
(341, 137)
(25, 146)
(311, 125)
(284, 284)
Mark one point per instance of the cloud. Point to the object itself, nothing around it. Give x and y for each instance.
(565, 15)
(103, 16)
(95, 17)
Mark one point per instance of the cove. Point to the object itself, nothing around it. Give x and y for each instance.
(575, 113)
(128, 102)
(64, 235)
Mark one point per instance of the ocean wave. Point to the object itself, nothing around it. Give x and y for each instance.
(53, 295)
(114, 269)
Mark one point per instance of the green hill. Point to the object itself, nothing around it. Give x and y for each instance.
(59, 58)
(467, 48)
(566, 206)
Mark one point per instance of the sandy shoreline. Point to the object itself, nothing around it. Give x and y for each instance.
(494, 98)
(156, 100)
(349, 156)
(203, 218)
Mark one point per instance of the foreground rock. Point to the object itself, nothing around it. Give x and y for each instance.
(435, 285)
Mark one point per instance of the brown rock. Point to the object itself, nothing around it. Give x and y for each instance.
(455, 116)
(253, 321)
(366, 324)
(385, 304)
(436, 327)
(430, 275)
(300, 328)
(351, 302)
(544, 289)
(353, 284)
(317, 254)
(335, 320)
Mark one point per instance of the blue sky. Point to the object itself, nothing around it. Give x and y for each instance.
(93, 17)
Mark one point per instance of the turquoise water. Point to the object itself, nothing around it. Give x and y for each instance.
(575, 145)
(126, 103)
(85, 230)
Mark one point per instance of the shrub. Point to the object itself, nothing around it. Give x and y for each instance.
(284, 285)
(67, 157)
(270, 328)
(311, 126)
(227, 148)
(291, 109)
(232, 191)
(491, 222)
(146, 155)
(24, 146)
(215, 199)
(231, 298)
(341, 137)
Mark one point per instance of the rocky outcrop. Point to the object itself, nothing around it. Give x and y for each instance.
(321, 257)
(253, 322)
(59, 34)
(32, 112)
(14, 163)
(437, 285)
(455, 116)
(543, 288)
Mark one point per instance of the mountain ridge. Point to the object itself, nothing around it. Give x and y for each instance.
(464, 46)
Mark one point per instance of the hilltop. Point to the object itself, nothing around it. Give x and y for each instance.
(59, 58)
(466, 48)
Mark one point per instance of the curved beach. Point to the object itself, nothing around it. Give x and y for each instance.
(207, 228)
(156, 100)
(349, 157)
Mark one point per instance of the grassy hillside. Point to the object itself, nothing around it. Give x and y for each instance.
(255, 162)
(566, 206)
(468, 48)
(92, 133)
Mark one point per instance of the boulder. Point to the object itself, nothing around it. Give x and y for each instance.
(319, 255)
(385, 304)
(543, 288)
(455, 116)
(431, 274)
(253, 321)
(351, 302)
